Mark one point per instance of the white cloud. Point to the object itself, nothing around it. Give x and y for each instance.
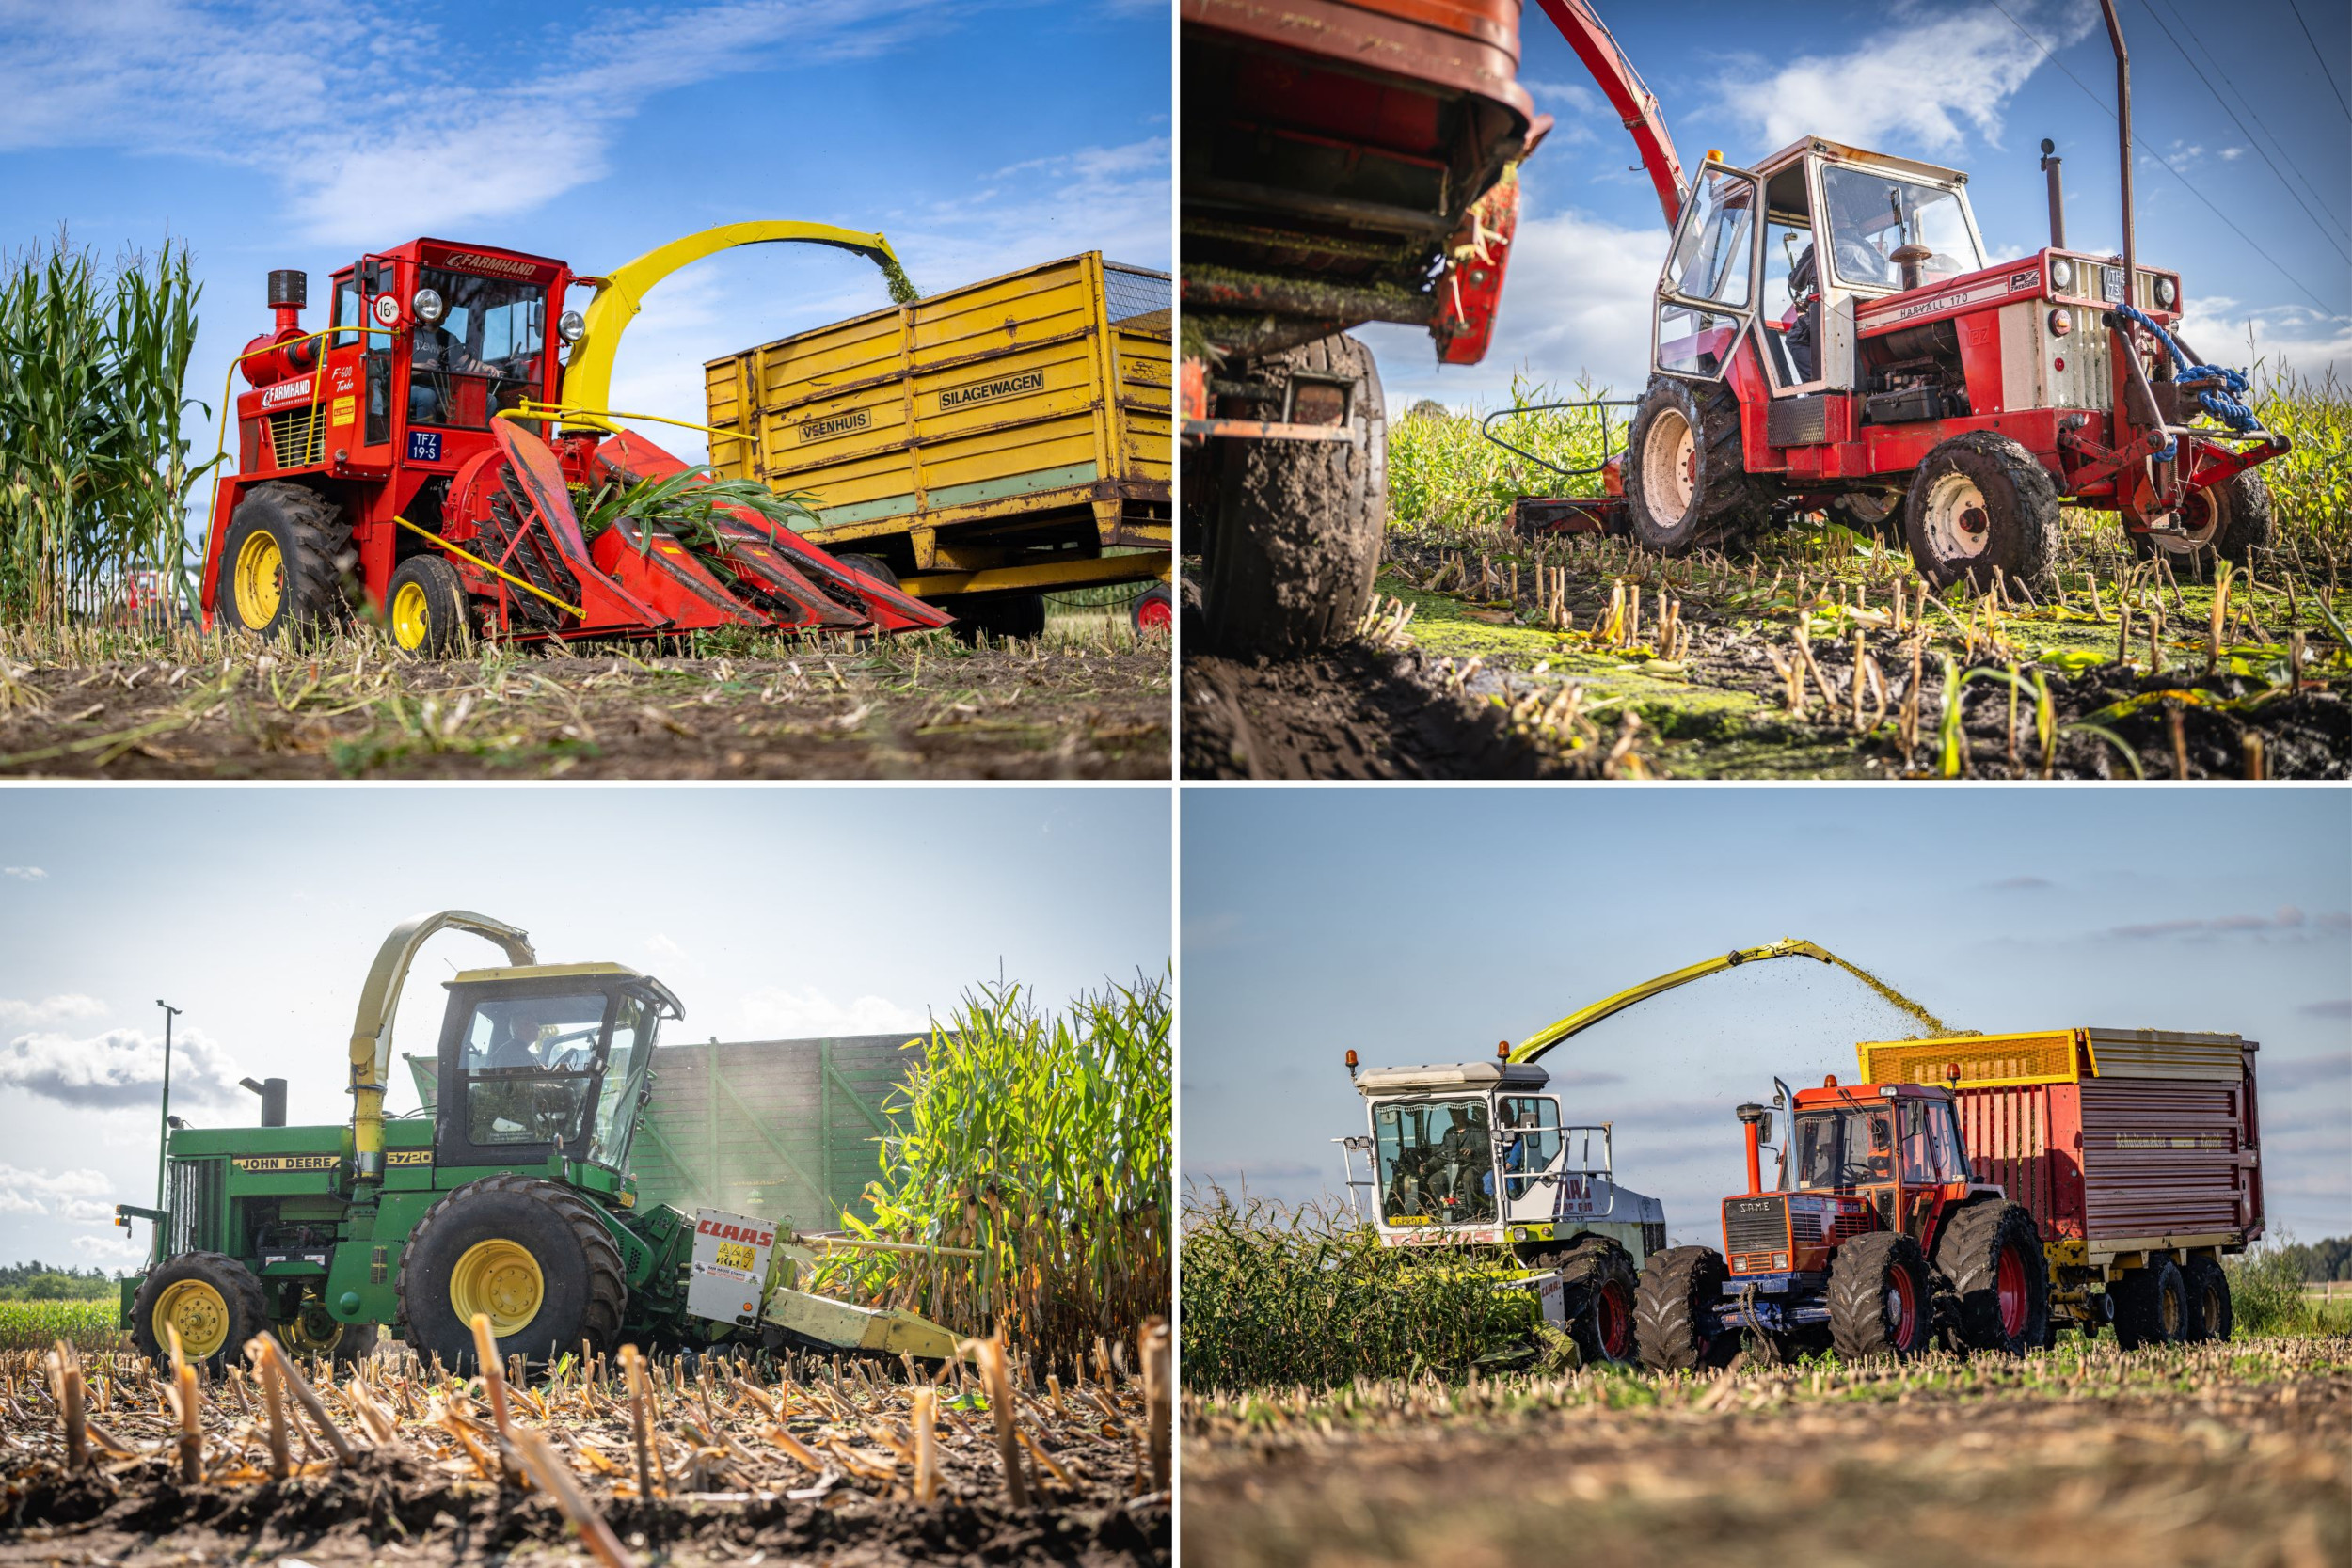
(804, 1012)
(111, 1247)
(2285, 336)
(1920, 83)
(50, 1009)
(76, 1196)
(25, 873)
(118, 1068)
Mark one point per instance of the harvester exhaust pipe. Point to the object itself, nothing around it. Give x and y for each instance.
(289, 292)
(2050, 161)
(1753, 1120)
(273, 1093)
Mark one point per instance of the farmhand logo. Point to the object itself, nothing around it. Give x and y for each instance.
(286, 391)
(503, 265)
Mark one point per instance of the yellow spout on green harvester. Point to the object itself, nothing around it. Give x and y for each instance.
(621, 293)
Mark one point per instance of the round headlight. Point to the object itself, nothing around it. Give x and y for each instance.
(2166, 292)
(427, 304)
(571, 325)
(2061, 273)
(2062, 323)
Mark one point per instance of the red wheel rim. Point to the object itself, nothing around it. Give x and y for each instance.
(1902, 1305)
(1613, 1318)
(1155, 613)
(2009, 1283)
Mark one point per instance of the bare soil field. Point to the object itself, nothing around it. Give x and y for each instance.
(2230, 1455)
(1078, 703)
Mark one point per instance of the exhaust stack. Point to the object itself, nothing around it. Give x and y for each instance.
(2050, 161)
(273, 1093)
(1755, 1121)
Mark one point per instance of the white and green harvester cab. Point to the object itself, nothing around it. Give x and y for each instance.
(1477, 1155)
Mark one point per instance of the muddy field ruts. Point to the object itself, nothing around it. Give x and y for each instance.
(2222, 1455)
(794, 1463)
(1090, 701)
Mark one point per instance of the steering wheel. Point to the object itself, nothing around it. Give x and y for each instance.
(1858, 261)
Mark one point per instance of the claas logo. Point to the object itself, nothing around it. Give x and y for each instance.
(736, 1233)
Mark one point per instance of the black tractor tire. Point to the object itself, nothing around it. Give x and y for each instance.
(345, 1344)
(1675, 1326)
(1153, 612)
(1869, 1316)
(236, 1291)
(1600, 1292)
(2206, 1288)
(2232, 519)
(1295, 538)
(1685, 485)
(1978, 1245)
(1002, 616)
(426, 607)
(872, 565)
(1980, 505)
(314, 560)
(2150, 1306)
(1871, 514)
(583, 1288)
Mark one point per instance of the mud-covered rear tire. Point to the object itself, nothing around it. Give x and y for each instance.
(1296, 535)
(2232, 519)
(1675, 1326)
(2206, 1289)
(2150, 1306)
(1600, 1292)
(1990, 1256)
(1685, 484)
(1878, 1298)
(205, 1294)
(581, 1288)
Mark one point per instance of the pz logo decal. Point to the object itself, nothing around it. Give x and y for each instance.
(425, 445)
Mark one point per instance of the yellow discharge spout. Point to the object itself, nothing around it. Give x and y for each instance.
(1788, 947)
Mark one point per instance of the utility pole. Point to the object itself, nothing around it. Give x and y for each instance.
(163, 1142)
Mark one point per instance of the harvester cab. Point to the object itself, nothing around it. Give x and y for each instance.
(423, 455)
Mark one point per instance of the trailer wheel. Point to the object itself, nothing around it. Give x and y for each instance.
(1991, 1256)
(283, 563)
(2150, 1306)
(2231, 519)
(1154, 611)
(1684, 482)
(530, 1254)
(1878, 1297)
(1675, 1326)
(2206, 1292)
(1981, 505)
(425, 607)
(1600, 1287)
(214, 1301)
(1295, 537)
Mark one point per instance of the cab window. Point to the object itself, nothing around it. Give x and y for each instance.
(1529, 1135)
(1836, 1149)
(377, 368)
(1436, 1163)
(1872, 214)
(530, 1068)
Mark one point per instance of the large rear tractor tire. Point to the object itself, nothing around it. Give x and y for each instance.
(1675, 1326)
(283, 564)
(2232, 519)
(1599, 1290)
(1295, 537)
(2150, 1306)
(531, 1254)
(1981, 506)
(1991, 1256)
(2206, 1286)
(1878, 1298)
(1685, 485)
(214, 1301)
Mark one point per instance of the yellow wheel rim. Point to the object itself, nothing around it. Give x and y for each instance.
(409, 615)
(500, 1278)
(298, 1330)
(257, 580)
(198, 1311)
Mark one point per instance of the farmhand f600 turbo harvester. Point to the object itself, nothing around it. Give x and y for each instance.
(512, 1198)
(426, 456)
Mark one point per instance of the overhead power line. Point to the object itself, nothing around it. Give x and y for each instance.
(2325, 70)
(2299, 286)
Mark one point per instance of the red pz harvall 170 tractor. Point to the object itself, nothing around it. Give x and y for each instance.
(378, 459)
(1879, 1239)
(1828, 335)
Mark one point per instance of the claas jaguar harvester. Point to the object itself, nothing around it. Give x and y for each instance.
(1982, 1191)
(416, 458)
(512, 1198)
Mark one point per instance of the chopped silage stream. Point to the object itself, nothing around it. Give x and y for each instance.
(787, 1462)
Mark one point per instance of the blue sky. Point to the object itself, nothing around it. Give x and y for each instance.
(979, 134)
(1955, 83)
(774, 913)
(1424, 924)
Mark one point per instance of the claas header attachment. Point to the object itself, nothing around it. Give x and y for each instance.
(441, 452)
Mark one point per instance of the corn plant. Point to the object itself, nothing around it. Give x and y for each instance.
(1040, 1140)
(90, 1326)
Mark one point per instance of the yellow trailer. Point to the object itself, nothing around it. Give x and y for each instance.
(985, 446)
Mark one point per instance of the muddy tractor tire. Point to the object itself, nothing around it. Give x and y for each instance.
(1879, 1304)
(425, 607)
(284, 563)
(1990, 1256)
(1675, 1325)
(530, 1254)
(214, 1301)
(1599, 1290)
(1294, 540)
(1685, 485)
(2206, 1289)
(2150, 1306)
(1981, 507)
(2233, 521)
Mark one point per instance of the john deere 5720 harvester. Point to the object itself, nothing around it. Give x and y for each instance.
(512, 1198)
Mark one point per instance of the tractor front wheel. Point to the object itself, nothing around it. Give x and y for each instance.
(1991, 1256)
(530, 1256)
(214, 1301)
(2231, 519)
(426, 607)
(1675, 1326)
(2150, 1306)
(1685, 485)
(1878, 1297)
(284, 563)
(2206, 1290)
(1981, 506)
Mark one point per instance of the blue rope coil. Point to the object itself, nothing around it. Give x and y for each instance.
(2220, 389)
